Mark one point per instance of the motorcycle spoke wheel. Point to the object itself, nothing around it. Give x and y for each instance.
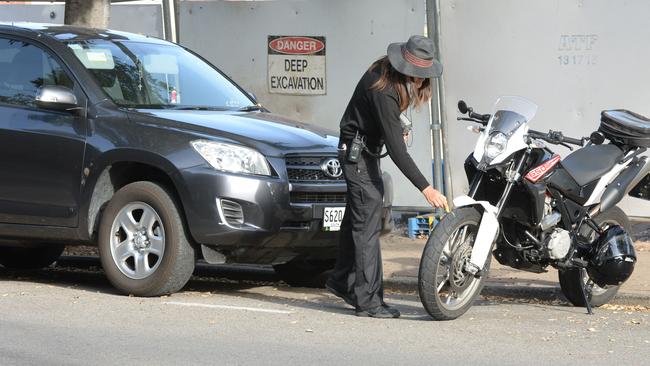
(454, 285)
(447, 290)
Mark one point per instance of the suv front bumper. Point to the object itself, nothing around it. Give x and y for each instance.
(272, 228)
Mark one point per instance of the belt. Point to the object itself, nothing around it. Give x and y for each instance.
(371, 151)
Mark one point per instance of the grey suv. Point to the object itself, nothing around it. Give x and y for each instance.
(143, 148)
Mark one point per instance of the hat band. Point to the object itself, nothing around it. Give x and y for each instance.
(420, 62)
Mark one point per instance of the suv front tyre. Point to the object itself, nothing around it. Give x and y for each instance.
(143, 245)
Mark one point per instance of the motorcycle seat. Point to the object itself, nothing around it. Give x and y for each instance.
(591, 162)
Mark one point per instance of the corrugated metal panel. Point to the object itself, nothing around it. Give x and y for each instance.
(574, 58)
(233, 35)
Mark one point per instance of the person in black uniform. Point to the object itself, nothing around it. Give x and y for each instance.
(391, 84)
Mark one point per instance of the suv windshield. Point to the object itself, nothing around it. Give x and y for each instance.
(146, 75)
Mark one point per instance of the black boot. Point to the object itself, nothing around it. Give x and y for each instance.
(348, 298)
(379, 312)
(391, 309)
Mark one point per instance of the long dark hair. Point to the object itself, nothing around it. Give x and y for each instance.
(391, 77)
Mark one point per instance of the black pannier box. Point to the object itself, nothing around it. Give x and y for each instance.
(625, 127)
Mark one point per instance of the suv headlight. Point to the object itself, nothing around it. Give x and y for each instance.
(495, 145)
(232, 158)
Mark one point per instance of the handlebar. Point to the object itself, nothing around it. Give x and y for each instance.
(573, 141)
(481, 117)
(473, 117)
(555, 137)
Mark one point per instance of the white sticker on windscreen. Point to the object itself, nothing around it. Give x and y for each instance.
(94, 58)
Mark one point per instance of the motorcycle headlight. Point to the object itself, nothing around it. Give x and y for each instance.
(495, 145)
(232, 158)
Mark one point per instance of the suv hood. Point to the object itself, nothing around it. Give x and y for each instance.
(271, 134)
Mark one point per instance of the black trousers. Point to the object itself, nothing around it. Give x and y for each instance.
(358, 269)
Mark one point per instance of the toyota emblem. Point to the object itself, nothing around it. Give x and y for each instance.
(332, 168)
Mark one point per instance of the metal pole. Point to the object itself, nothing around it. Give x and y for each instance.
(439, 121)
(177, 17)
(169, 20)
(435, 107)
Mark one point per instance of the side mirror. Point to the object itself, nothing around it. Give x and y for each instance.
(597, 138)
(57, 98)
(462, 107)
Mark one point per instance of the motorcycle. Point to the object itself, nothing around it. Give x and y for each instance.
(532, 209)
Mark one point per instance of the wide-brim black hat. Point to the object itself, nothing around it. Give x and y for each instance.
(415, 58)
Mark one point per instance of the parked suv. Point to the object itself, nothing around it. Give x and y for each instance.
(143, 148)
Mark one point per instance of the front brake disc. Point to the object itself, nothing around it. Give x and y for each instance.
(459, 278)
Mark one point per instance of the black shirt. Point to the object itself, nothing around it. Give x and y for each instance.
(375, 114)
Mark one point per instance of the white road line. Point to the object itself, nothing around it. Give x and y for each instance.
(228, 307)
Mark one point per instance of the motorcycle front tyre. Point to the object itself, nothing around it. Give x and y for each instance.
(433, 300)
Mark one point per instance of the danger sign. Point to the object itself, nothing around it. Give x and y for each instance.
(296, 65)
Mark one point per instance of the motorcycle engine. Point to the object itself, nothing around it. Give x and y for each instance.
(559, 243)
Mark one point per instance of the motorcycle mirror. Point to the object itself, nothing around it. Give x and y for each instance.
(596, 138)
(462, 107)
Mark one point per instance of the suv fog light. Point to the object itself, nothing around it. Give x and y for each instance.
(230, 212)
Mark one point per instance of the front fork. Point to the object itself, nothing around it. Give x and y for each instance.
(489, 226)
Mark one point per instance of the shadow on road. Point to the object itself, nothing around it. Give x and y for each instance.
(252, 282)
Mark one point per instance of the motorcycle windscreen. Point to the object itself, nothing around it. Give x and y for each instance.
(510, 113)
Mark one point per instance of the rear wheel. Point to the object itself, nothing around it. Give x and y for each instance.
(572, 280)
(302, 273)
(31, 257)
(446, 289)
(143, 246)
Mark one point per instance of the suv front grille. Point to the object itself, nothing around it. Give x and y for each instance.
(309, 175)
(307, 169)
(317, 197)
(303, 161)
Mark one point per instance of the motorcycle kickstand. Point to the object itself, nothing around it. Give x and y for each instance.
(587, 302)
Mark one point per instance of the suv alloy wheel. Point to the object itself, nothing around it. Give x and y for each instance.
(143, 246)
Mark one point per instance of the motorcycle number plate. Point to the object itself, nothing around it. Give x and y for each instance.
(535, 174)
(332, 218)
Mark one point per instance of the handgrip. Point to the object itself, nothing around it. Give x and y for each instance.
(555, 137)
(482, 117)
(573, 141)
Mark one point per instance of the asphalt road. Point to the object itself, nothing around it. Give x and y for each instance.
(71, 316)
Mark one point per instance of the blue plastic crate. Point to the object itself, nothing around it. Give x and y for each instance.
(421, 225)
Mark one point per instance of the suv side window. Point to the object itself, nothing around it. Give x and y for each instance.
(24, 69)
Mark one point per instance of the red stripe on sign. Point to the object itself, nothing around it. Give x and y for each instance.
(420, 62)
(535, 174)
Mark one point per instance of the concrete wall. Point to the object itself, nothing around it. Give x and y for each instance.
(233, 35)
(574, 58)
(143, 18)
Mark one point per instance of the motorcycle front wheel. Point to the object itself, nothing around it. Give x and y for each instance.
(446, 289)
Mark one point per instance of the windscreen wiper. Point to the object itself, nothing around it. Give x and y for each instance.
(142, 106)
(250, 108)
(198, 108)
